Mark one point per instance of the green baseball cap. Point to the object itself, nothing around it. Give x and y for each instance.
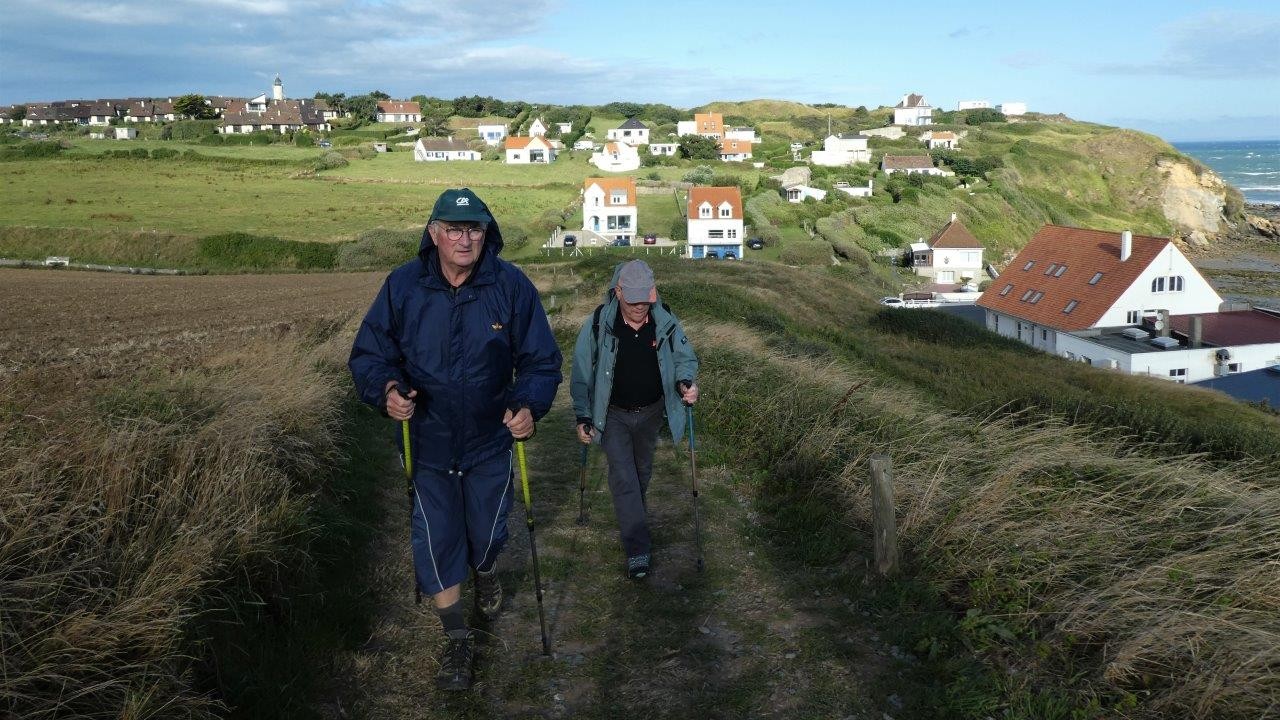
(460, 205)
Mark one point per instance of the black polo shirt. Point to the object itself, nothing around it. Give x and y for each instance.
(637, 382)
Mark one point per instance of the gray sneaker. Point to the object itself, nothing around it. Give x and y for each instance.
(638, 566)
(488, 593)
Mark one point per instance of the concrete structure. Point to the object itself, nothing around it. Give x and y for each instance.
(841, 150)
(126, 133)
(616, 157)
(525, 150)
(609, 208)
(912, 109)
(631, 131)
(1013, 108)
(443, 150)
(715, 222)
(854, 190)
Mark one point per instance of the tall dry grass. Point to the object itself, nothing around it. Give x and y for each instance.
(127, 508)
(1089, 562)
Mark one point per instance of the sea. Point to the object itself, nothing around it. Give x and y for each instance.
(1253, 166)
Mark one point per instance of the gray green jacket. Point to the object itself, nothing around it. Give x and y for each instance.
(591, 382)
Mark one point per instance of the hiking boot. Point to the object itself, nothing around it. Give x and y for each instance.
(455, 671)
(638, 566)
(488, 593)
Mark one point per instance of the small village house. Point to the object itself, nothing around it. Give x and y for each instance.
(714, 223)
(537, 127)
(953, 256)
(1013, 108)
(841, 150)
(705, 124)
(525, 150)
(616, 157)
(609, 208)
(747, 134)
(668, 149)
(565, 127)
(492, 134)
(443, 150)
(631, 131)
(910, 164)
(855, 190)
(734, 150)
(395, 111)
(912, 109)
(945, 139)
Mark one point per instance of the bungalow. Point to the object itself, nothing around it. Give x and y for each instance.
(537, 127)
(163, 110)
(442, 150)
(912, 110)
(565, 128)
(50, 114)
(616, 157)
(586, 142)
(523, 150)
(609, 208)
(972, 105)
(909, 164)
(734, 150)
(706, 124)
(140, 111)
(631, 131)
(102, 113)
(668, 149)
(322, 107)
(854, 190)
(840, 150)
(952, 255)
(798, 193)
(1013, 108)
(1127, 302)
(940, 139)
(714, 222)
(492, 134)
(394, 111)
(281, 116)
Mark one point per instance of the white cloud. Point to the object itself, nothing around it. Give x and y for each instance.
(1215, 45)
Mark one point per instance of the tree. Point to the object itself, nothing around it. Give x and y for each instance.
(362, 107)
(379, 95)
(983, 115)
(192, 106)
(697, 147)
(18, 113)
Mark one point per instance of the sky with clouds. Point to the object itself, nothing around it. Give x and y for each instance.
(1184, 70)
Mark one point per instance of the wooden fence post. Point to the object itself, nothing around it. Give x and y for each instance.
(882, 519)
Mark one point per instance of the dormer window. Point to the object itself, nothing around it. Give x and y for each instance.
(1070, 306)
(1028, 265)
(1006, 290)
(1050, 269)
(1061, 269)
(704, 210)
(1096, 277)
(726, 210)
(1036, 298)
(619, 197)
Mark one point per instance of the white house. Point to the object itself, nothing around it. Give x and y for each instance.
(631, 131)
(840, 150)
(940, 139)
(909, 164)
(609, 207)
(523, 150)
(734, 150)
(741, 133)
(715, 222)
(281, 116)
(952, 256)
(442, 150)
(854, 190)
(1013, 108)
(537, 127)
(972, 105)
(1128, 302)
(394, 111)
(565, 128)
(912, 110)
(798, 193)
(616, 157)
(705, 124)
(126, 133)
(586, 142)
(669, 149)
(492, 134)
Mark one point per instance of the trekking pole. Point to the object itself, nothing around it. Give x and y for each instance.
(404, 390)
(693, 474)
(582, 485)
(533, 546)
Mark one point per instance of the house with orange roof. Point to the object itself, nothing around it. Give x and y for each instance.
(714, 223)
(734, 150)
(609, 208)
(705, 124)
(394, 111)
(952, 256)
(1128, 302)
(524, 150)
(616, 157)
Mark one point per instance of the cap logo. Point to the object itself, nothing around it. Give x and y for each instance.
(462, 201)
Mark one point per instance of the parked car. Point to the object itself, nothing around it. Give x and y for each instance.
(650, 239)
(570, 240)
(730, 255)
(325, 144)
(621, 242)
(891, 301)
(713, 255)
(755, 244)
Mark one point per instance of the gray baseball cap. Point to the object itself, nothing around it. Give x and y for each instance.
(636, 283)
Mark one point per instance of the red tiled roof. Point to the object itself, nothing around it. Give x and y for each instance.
(608, 185)
(716, 196)
(1249, 327)
(943, 135)
(1084, 253)
(393, 107)
(733, 147)
(906, 162)
(954, 235)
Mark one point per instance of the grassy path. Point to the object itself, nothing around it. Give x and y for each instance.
(741, 639)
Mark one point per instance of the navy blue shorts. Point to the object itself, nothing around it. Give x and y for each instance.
(459, 520)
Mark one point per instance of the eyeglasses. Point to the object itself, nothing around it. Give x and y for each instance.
(456, 233)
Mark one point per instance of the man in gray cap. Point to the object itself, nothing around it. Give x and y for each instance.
(631, 366)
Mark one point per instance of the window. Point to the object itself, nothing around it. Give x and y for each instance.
(1028, 265)
(1006, 290)
(1157, 284)
(1027, 294)
(1178, 374)
(733, 233)
(717, 234)
(1061, 269)
(1132, 317)
(1096, 277)
(1233, 367)
(1051, 268)
(1175, 283)
(995, 324)
(726, 211)
(704, 211)
(619, 197)
(1044, 335)
(1070, 306)
(1036, 298)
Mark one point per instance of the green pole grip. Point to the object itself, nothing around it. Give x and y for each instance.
(408, 453)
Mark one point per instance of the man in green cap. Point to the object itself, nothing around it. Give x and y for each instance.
(457, 343)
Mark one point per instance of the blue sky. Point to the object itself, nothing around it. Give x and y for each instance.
(1183, 70)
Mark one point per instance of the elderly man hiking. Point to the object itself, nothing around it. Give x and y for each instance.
(632, 366)
(457, 343)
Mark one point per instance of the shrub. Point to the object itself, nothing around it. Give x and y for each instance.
(32, 150)
(806, 252)
(679, 230)
(330, 161)
(240, 251)
(701, 175)
(164, 154)
(514, 237)
(379, 248)
(303, 139)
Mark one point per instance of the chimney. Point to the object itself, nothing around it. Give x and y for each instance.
(953, 217)
(1197, 328)
(1126, 245)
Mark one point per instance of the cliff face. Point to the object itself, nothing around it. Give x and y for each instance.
(1194, 201)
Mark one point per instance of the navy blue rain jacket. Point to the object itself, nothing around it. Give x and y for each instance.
(470, 354)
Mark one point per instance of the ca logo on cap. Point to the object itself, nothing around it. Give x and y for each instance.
(463, 201)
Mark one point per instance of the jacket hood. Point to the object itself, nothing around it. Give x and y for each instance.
(492, 236)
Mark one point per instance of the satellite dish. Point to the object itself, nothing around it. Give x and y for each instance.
(1159, 325)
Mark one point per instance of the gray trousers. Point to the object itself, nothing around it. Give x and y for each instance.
(629, 441)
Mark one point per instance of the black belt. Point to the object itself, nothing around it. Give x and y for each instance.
(640, 408)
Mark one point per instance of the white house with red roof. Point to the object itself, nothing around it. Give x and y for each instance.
(953, 256)
(393, 111)
(912, 109)
(524, 150)
(609, 207)
(714, 222)
(616, 157)
(734, 150)
(705, 124)
(1128, 302)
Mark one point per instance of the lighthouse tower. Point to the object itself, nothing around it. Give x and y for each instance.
(277, 89)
